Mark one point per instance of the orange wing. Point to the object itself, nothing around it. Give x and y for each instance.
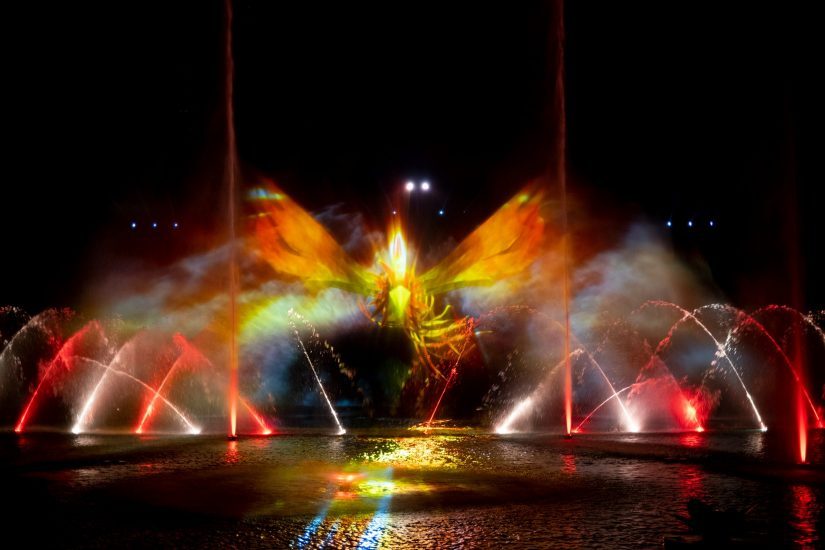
(504, 245)
(289, 239)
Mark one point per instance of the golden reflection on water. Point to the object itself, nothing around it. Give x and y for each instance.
(434, 452)
(357, 509)
(370, 490)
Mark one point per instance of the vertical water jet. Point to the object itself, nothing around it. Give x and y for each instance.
(230, 175)
(561, 177)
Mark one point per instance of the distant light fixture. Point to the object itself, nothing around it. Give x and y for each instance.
(394, 212)
(175, 225)
(441, 212)
(669, 223)
(425, 186)
(690, 223)
(410, 186)
(154, 225)
(134, 225)
(710, 223)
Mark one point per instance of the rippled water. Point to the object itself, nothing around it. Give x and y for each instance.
(456, 488)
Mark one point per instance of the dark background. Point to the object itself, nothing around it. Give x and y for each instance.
(113, 113)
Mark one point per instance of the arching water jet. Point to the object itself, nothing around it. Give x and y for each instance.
(720, 350)
(79, 427)
(334, 414)
(65, 352)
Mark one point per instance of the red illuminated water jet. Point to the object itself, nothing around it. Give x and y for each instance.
(440, 397)
(562, 178)
(802, 426)
(453, 372)
(795, 370)
(615, 395)
(62, 356)
(688, 315)
(187, 351)
(231, 172)
(801, 415)
(690, 414)
(263, 427)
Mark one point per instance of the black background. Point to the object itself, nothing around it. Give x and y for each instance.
(114, 112)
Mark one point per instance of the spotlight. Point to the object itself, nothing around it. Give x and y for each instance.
(710, 223)
(425, 186)
(394, 212)
(175, 225)
(441, 212)
(690, 223)
(154, 225)
(669, 223)
(410, 186)
(134, 225)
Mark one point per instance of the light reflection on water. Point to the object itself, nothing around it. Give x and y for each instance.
(805, 515)
(416, 452)
(328, 528)
(377, 525)
(396, 490)
(232, 455)
(568, 463)
(691, 482)
(692, 440)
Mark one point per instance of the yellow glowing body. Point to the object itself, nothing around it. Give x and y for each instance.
(396, 271)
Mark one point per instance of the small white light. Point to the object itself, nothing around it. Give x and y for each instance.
(425, 186)
(410, 186)
(134, 225)
(394, 212)
(175, 225)
(440, 212)
(669, 223)
(711, 223)
(154, 225)
(690, 223)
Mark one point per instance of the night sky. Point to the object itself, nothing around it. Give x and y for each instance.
(113, 113)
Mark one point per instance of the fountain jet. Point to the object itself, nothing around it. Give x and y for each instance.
(341, 429)
(80, 423)
(720, 350)
(62, 356)
(231, 174)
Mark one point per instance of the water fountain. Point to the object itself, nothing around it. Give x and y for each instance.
(94, 370)
(515, 369)
(95, 367)
(735, 333)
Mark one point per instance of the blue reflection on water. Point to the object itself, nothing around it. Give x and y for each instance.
(380, 519)
(375, 529)
(378, 524)
(306, 537)
(332, 530)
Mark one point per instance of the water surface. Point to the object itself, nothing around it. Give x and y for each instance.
(401, 489)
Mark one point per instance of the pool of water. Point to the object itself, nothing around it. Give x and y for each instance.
(401, 489)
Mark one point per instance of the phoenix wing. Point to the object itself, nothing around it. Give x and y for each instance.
(503, 246)
(295, 245)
